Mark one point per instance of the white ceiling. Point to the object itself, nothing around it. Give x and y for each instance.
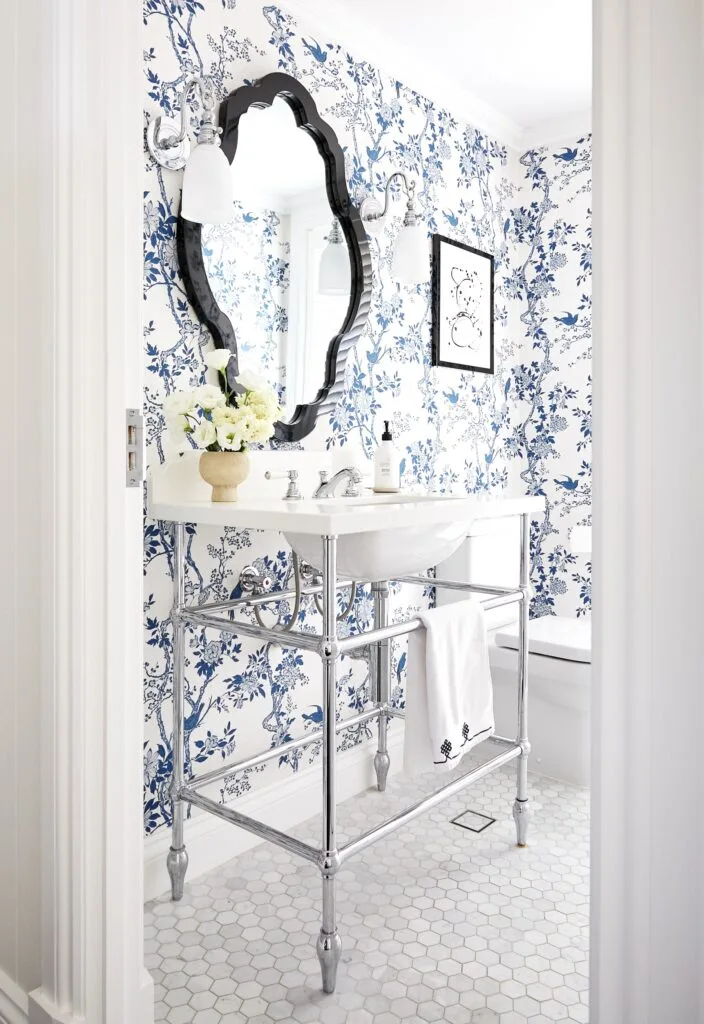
(517, 68)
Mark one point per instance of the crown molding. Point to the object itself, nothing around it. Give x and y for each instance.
(553, 130)
(401, 63)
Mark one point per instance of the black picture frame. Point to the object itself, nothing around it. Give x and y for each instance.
(190, 254)
(439, 345)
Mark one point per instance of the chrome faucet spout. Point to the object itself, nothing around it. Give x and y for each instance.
(326, 488)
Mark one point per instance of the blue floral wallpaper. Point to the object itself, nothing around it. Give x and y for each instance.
(550, 388)
(528, 425)
(247, 262)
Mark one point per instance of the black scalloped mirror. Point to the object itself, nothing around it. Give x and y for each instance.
(285, 285)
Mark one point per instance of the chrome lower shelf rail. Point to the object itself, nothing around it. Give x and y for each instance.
(375, 642)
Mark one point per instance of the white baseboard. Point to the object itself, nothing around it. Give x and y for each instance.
(14, 1001)
(285, 803)
(43, 1011)
(146, 998)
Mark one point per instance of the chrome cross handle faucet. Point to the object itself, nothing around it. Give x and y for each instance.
(326, 487)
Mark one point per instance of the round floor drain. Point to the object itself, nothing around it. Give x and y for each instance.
(485, 1017)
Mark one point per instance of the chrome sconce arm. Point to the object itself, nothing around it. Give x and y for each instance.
(168, 143)
(374, 215)
(411, 257)
(206, 196)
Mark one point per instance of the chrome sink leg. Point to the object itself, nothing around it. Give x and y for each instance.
(177, 865)
(329, 945)
(521, 807)
(177, 858)
(381, 679)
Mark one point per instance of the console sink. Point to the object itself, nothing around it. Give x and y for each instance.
(384, 554)
(379, 536)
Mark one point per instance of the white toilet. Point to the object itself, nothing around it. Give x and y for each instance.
(559, 665)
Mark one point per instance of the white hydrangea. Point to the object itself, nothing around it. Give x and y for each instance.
(263, 430)
(224, 414)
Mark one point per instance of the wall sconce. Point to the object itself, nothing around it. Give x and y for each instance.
(334, 270)
(410, 259)
(207, 184)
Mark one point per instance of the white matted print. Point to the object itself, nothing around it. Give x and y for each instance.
(463, 306)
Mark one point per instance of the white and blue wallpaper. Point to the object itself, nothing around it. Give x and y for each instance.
(550, 386)
(527, 426)
(247, 262)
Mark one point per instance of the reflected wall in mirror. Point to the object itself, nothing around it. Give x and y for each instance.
(264, 266)
(285, 283)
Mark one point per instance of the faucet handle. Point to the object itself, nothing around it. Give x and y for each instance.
(309, 574)
(353, 480)
(254, 581)
(292, 493)
(324, 476)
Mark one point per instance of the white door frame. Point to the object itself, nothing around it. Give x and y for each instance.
(647, 890)
(88, 180)
(648, 459)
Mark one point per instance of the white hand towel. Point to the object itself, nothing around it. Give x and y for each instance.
(449, 699)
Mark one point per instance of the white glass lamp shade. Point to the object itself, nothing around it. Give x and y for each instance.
(207, 186)
(410, 264)
(334, 270)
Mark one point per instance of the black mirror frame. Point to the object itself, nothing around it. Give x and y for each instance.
(190, 254)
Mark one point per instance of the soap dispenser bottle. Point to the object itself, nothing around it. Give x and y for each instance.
(387, 463)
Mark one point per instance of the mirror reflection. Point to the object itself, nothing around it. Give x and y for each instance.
(280, 269)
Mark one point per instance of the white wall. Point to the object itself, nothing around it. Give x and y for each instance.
(19, 521)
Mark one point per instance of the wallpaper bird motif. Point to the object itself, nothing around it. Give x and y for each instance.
(527, 426)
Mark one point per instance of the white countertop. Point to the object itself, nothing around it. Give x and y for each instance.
(335, 517)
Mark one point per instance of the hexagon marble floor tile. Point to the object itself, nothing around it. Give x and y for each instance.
(438, 923)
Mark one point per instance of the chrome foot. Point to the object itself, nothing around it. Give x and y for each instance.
(329, 948)
(177, 865)
(382, 762)
(521, 815)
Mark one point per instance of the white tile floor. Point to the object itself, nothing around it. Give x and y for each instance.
(437, 923)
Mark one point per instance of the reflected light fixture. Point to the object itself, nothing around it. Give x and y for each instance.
(334, 271)
(207, 183)
(410, 259)
(580, 540)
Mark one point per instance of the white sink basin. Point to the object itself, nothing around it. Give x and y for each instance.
(383, 554)
(380, 536)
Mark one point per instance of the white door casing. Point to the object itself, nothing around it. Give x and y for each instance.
(648, 430)
(87, 181)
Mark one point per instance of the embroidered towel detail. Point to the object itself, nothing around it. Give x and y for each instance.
(449, 699)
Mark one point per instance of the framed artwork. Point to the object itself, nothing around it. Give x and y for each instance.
(463, 306)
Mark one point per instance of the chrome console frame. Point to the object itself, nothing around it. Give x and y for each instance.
(327, 644)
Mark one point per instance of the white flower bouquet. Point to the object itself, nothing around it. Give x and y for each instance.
(216, 419)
